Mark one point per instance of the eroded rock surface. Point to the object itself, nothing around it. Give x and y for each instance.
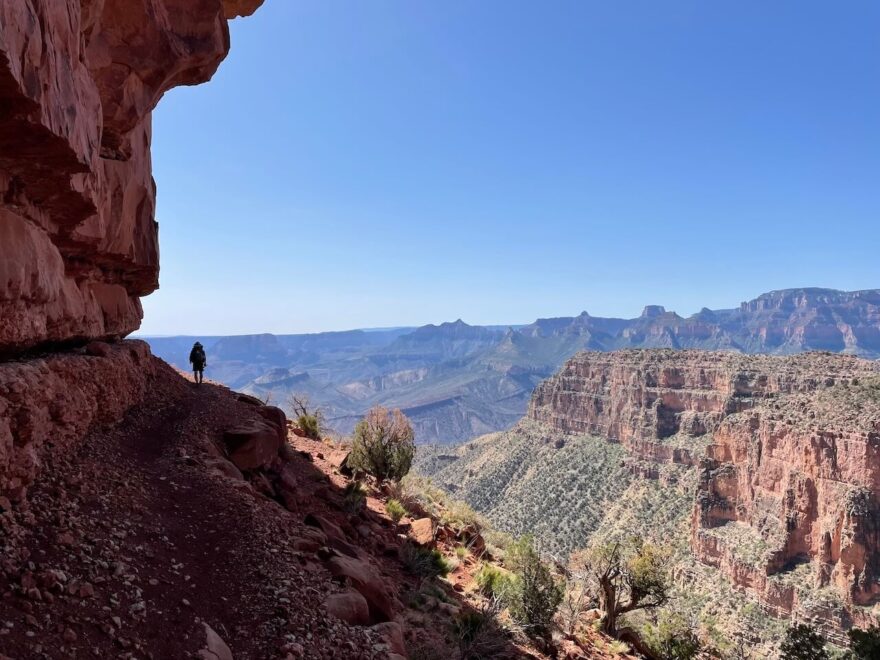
(788, 451)
(57, 399)
(78, 82)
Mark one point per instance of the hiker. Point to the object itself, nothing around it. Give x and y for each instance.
(199, 362)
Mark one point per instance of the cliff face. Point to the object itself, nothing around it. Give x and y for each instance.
(78, 81)
(804, 472)
(788, 451)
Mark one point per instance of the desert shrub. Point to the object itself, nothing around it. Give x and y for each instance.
(467, 628)
(354, 497)
(310, 420)
(493, 581)
(426, 562)
(683, 647)
(460, 514)
(536, 594)
(575, 602)
(673, 638)
(803, 642)
(477, 632)
(383, 445)
(865, 644)
(461, 551)
(310, 425)
(518, 552)
(496, 542)
(434, 590)
(618, 647)
(395, 510)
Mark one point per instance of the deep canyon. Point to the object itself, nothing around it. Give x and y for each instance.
(765, 468)
(144, 518)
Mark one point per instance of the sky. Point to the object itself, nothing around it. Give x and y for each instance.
(403, 162)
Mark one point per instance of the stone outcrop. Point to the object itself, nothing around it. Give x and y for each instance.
(78, 82)
(422, 531)
(56, 399)
(254, 445)
(368, 582)
(788, 450)
(349, 606)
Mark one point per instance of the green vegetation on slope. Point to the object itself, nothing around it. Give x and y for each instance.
(524, 483)
(570, 490)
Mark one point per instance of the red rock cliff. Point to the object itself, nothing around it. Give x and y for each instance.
(78, 81)
(788, 486)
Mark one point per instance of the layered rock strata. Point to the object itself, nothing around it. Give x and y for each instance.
(804, 473)
(78, 82)
(790, 474)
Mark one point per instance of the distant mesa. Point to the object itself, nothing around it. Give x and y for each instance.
(653, 311)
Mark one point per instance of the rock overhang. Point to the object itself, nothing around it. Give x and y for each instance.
(78, 82)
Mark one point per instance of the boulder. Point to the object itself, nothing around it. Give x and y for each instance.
(336, 538)
(248, 399)
(215, 648)
(422, 531)
(308, 545)
(288, 487)
(340, 460)
(349, 606)
(473, 539)
(288, 454)
(253, 445)
(368, 582)
(274, 416)
(287, 479)
(391, 633)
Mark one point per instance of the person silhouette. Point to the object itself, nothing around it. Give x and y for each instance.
(199, 361)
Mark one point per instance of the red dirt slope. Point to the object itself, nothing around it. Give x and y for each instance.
(128, 543)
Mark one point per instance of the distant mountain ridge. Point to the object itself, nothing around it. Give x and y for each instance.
(457, 381)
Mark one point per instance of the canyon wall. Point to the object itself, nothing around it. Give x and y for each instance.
(78, 82)
(788, 453)
(78, 238)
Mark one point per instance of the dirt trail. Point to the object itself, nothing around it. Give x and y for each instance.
(130, 543)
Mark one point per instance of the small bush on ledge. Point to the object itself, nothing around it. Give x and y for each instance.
(395, 510)
(426, 562)
(383, 445)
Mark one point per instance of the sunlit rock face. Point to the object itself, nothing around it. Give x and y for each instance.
(788, 485)
(78, 82)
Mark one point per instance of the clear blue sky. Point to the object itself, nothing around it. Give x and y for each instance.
(401, 162)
